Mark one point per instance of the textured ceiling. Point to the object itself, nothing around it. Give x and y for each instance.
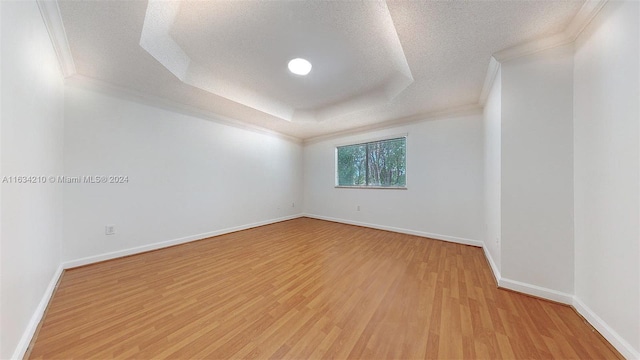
(373, 62)
(213, 46)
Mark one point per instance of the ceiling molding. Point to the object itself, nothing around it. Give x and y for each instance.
(532, 47)
(53, 20)
(472, 109)
(587, 12)
(156, 39)
(492, 72)
(585, 15)
(83, 82)
(51, 15)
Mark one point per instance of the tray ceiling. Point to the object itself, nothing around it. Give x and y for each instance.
(373, 62)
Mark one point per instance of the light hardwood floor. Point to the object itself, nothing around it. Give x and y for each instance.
(303, 289)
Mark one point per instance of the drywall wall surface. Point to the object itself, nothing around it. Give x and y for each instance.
(444, 194)
(174, 176)
(492, 118)
(537, 170)
(31, 146)
(607, 166)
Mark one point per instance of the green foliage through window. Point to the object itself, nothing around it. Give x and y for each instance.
(377, 164)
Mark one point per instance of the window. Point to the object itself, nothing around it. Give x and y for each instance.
(378, 164)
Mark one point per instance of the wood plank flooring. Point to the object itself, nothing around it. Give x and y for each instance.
(305, 289)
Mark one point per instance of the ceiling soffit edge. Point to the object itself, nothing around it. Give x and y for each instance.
(87, 83)
(471, 109)
(579, 22)
(50, 13)
(52, 18)
(157, 41)
(490, 77)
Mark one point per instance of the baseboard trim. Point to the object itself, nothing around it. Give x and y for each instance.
(605, 330)
(535, 290)
(600, 325)
(610, 335)
(25, 340)
(452, 239)
(492, 265)
(27, 336)
(525, 288)
(168, 243)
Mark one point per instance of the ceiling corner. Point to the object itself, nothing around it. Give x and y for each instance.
(492, 71)
(582, 18)
(587, 12)
(53, 21)
(464, 110)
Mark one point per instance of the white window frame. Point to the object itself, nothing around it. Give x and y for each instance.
(370, 140)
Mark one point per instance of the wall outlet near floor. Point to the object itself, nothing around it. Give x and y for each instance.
(109, 229)
(358, 208)
(293, 204)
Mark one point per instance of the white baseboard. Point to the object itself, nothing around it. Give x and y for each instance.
(605, 330)
(536, 290)
(159, 245)
(492, 265)
(453, 239)
(526, 288)
(612, 336)
(30, 331)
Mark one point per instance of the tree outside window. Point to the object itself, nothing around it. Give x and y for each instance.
(373, 164)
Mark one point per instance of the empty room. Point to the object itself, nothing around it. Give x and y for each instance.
(320, 179)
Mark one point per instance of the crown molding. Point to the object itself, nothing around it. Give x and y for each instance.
(157, 40)
(52, 18)
(492, 72)
(84, 82)
(532, 47)
(472, 109)
(53, 21)
(585, 15)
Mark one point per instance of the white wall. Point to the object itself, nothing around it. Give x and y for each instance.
(31, 144)
(188, 177)
(444, 179)
(557, 134)
(537, 175)
(492, 118)
(2, 330)
(607, 166)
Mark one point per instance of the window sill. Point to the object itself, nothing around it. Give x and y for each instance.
(372, 187)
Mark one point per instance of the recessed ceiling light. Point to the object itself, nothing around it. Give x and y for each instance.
(299, 66)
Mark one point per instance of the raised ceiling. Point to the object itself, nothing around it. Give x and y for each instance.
(373, 62)
(213, 46)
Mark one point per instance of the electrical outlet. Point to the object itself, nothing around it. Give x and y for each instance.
(358, 208)
(293, 204)
(110, 230)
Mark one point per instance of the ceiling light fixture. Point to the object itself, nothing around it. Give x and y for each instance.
(299, 66)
